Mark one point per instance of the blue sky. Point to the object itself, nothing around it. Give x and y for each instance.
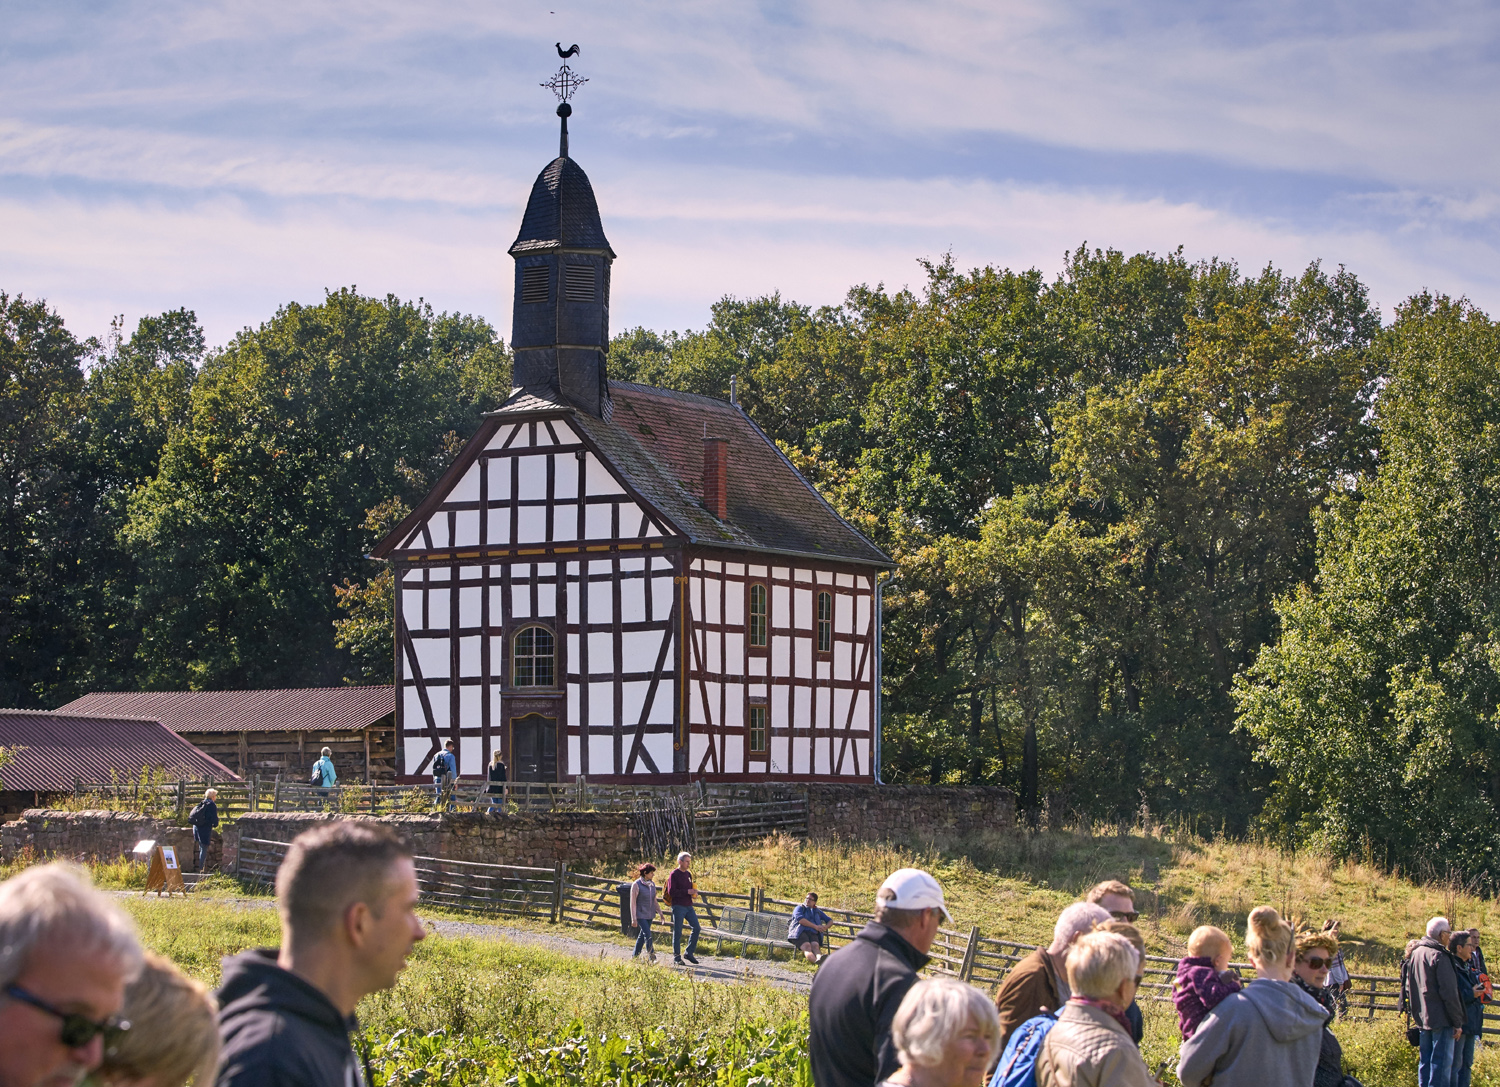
(234, 157)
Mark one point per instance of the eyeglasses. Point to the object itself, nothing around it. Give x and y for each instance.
(1124, 915)
(77, 1030)
(1317, 962)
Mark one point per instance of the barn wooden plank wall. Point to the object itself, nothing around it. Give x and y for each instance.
(363, 755)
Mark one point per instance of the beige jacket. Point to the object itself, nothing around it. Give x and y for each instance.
(1087, 1047)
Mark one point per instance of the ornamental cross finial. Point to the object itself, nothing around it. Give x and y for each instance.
(565, 84)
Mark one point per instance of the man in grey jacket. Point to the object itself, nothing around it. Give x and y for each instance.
(1431, 995)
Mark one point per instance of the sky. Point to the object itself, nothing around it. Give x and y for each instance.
(231, 158)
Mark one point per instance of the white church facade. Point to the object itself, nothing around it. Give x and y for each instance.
(621, 582)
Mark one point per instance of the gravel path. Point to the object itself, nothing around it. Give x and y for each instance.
(710, 968)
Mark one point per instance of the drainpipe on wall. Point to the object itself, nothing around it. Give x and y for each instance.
(879, 668)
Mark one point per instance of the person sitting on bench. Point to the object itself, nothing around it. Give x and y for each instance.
(809, 923)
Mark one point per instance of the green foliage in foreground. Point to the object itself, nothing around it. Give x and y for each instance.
(753, 1055)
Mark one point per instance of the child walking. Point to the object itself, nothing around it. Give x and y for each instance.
(644, 909)
(1203, 978)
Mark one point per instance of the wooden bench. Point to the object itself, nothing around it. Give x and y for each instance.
(746, 927)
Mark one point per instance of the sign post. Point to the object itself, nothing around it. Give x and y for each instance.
(164, 873)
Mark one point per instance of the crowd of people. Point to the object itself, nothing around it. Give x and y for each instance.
(79, 997)
(1066, 1015)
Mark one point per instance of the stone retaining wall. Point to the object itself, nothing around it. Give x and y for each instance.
(90, 835)
(540, 839)
(907, 813)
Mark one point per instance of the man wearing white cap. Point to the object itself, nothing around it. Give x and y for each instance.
(858, 989)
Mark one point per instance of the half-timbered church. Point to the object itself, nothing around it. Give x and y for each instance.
(623, 582)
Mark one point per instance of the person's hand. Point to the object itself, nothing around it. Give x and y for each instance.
(1458, 1032)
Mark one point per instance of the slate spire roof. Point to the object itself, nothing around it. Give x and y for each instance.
(562, 212)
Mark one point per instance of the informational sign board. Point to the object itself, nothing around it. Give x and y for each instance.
(163, 873)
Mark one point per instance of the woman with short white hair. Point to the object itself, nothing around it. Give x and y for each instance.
(1091, 1043)
(947, 1034)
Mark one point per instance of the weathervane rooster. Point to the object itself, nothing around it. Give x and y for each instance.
(564, 84)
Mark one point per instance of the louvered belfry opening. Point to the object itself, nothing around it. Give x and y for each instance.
(534, 284)
(716, 477)
(579, 286)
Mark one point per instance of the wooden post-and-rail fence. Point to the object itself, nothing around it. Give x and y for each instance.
(560, 895)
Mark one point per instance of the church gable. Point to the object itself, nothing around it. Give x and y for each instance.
(523, 483)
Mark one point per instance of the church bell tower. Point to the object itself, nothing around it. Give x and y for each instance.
(560, 327)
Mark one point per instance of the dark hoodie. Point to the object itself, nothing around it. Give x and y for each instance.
(279, 1031)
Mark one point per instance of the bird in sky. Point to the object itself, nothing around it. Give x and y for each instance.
(571, 51)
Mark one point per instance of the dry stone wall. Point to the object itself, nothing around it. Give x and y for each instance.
(907, 813)
(538, 839)
(89, 835)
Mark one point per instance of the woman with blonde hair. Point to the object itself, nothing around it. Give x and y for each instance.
(1268, 1032)
(1091, 1044)
(947, 1034)
(174, 1032)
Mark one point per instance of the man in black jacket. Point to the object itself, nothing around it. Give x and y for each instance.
(204, 818)
(859, 987)
(347, 894)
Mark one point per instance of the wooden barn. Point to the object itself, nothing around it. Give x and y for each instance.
(624, 582)
(274, 731)
(52, 751)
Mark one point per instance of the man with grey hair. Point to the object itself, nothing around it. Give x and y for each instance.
(1429, 990)
(66, 955)
(1040, 980)
(859, 987)
(203, 819)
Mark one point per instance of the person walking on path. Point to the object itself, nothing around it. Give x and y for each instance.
(1268, 1032)
(1039, 982)
(946, 1034)
(680, 895)
(858, 990)
(204, 818)
(1315, 955)
(644, 910)
(1470, 990)
(323, 773)
(498, 774)
(444, 774)
(347, 896)
(1090, 1045)
(808, 927)
(66, 955)
(1430, 993)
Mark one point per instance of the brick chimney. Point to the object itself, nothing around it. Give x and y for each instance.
(716, 476)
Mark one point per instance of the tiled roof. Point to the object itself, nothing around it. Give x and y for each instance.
(655, 438)
(298, 709)
(561, 213)
(53, 750)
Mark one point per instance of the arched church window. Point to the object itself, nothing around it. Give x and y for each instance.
(536, 654)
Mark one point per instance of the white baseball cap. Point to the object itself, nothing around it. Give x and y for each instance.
(913, 889)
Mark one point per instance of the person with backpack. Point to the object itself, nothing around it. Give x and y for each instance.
(1039, 982)
(203, 819)
(444, 774)
(1090, 1043)
(323, 773)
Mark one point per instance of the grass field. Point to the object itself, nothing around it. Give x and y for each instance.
(486, 1011)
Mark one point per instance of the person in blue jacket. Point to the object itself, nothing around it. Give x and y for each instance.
(809, 924)
(323, 771)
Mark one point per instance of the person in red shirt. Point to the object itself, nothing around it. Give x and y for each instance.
(680, 895)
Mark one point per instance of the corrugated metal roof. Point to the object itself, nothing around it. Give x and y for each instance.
(297, 709)
(56, 749)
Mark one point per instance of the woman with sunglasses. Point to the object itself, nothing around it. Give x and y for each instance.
(1315, 955)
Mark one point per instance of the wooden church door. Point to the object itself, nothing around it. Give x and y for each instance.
(534, 748)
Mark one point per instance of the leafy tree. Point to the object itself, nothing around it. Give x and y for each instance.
(1376, 706)
(44, 520)
(294, 431)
